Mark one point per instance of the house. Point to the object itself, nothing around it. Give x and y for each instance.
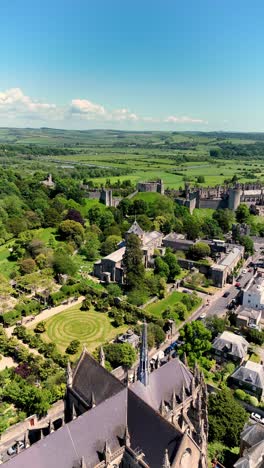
(247, 317)
(110, 268)
(253, 293)
(226, 265)
(230, 346)
(249, 377)
(129, 337)
(251, 447)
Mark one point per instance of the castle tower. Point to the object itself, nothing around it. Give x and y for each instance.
(234, 198)
(143, 369)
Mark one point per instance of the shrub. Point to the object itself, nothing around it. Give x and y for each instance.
(11, 317)
(73, 347)
(240, 394)
(40, 327)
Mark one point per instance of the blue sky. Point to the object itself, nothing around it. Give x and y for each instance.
(149, 64)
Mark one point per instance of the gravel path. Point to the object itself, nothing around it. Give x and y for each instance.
(7, 362)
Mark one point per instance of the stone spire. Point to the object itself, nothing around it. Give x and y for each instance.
(102, 357)
(143, 369)
(166, 460)
(69, 375)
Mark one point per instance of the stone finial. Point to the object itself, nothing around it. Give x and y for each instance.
(183, 393)
(127, 437)
(93, 403)
(162, 408)
(173, 400)
(26, 439)
(102, 356)
(82, 463)
(74, 414)
(107, 453)
(184, 360)
(166, 460)
(193, 386)
(51, 426)
(69, 374)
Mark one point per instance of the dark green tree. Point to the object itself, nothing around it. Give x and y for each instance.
(133, 262)
(226, 418)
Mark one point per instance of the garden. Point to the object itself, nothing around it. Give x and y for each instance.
(90, 328)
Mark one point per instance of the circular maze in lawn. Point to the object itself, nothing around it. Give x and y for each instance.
(89, 327)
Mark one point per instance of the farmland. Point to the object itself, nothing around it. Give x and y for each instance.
(137, 156)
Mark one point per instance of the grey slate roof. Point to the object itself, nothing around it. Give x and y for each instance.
(162, 382)
(85, 436)
(254, 457)
(90, 377)
(253, 434)
(135, 229)
(230, 343)
(150, 432)
(251, 373)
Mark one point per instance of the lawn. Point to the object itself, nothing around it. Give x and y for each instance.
(149, 197)
(157, 308)
(89, 327)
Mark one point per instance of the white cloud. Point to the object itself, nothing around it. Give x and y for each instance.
(184, 119)
(83, 106)
(91, 111)
(123, 114)
(14, 99)
(15, 106)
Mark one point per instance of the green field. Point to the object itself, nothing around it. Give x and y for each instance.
(89, 327)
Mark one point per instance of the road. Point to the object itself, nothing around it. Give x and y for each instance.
(218, 304)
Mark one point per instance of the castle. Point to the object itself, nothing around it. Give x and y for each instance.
(156, 186)
(219, 196)
(159, 421)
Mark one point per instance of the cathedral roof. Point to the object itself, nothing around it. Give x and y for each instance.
(91, 378)
(151, 432)
(135, 229)
(85, 437)
(163, 382)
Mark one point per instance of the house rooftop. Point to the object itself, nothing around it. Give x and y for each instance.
(230, 257)
(233, 344)
(249, 313)
(252, 373)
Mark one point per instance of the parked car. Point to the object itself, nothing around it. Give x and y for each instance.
(253, 326)
(238, 285)
(244, 271)
(202, 316)
(226, 294)
(257, 417)
(18, 445)
(186, 291)
(250, 270)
